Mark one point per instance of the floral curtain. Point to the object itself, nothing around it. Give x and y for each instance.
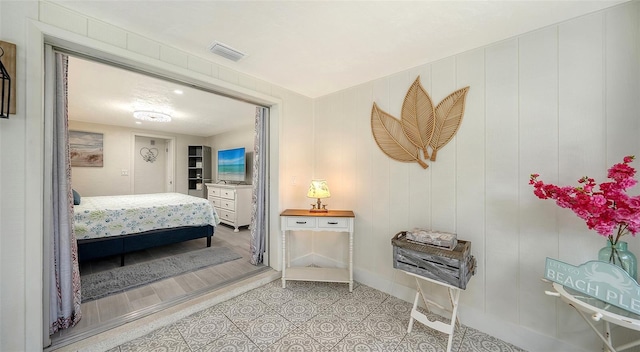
(259, 213)
(64, 274)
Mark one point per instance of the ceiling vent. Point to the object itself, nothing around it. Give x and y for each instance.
(226, 51)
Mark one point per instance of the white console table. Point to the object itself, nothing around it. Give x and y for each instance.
(304, 220)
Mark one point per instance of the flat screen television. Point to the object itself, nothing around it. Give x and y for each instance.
(232, 165)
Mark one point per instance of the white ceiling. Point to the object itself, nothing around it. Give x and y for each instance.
(311, 47)
(319, 47)
(99, 93)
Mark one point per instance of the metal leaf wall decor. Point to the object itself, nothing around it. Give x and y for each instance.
(421, 125)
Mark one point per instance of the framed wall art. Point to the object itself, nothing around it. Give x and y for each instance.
(85, 149)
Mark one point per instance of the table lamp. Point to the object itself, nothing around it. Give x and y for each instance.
(318, 189)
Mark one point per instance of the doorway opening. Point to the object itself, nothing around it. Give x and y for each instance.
(131, 305)
(153, 168)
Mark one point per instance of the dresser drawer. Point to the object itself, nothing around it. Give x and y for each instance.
(301, 222)
(227, 204)
(216, 202)
(226, 215)
(214, 192)
(333, 223)
(228, 194)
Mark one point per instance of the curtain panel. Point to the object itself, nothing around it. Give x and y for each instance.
(64, 273)
(258, 215)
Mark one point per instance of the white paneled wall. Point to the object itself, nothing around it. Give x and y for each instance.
(502, 179)
(470, 163)
(538, 121)
(561, 101)
(621, 96)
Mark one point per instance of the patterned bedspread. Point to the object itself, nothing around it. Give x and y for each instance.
(105, 216)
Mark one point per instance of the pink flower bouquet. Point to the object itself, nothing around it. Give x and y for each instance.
(606, 207)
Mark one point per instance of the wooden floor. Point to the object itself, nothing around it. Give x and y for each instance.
(117, 309)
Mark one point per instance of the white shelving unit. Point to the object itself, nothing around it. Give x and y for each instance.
(199, 169)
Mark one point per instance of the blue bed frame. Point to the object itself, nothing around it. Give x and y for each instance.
(120, 245)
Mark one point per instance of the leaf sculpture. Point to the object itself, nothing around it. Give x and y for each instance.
(448, 117)
(417, 117)
(387, 131)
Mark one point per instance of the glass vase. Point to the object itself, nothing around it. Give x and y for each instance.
(618, 254)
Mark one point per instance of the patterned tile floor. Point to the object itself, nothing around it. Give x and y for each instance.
(309, 316)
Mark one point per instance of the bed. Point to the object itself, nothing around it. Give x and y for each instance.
(117, 225)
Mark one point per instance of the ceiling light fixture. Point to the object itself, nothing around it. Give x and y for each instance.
(226, 51)
(151, 116)
(178, 91)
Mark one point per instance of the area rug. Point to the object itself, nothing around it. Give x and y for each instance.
(124, 278)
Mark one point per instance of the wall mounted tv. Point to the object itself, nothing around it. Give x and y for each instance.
(232, 165)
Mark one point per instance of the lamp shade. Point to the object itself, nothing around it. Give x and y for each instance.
(318, 189)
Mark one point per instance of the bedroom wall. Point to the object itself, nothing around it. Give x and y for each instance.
(118, 156)
(233, 139)
(561, 101)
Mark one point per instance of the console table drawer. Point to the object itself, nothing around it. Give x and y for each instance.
(333, 223)
(301, 222)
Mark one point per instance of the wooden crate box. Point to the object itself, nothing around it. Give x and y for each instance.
(451, 267)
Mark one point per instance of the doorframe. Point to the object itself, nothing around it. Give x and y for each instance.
(39, 34)
(170, 172)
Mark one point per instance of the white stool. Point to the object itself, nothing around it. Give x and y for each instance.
(454, 296)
